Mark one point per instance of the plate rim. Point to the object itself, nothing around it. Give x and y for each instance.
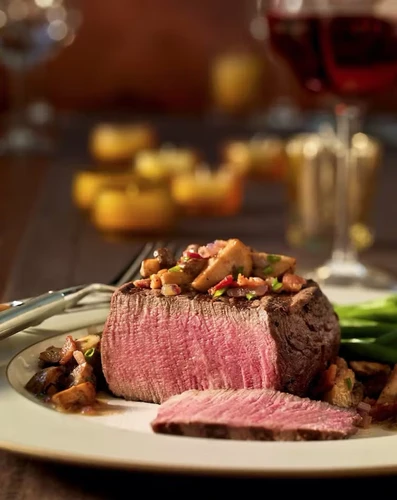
(134, 463)
(96, 462)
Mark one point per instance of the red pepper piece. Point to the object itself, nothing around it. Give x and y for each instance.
(227, 282)
(192, 255)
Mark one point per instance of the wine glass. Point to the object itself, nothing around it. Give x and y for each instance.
(31, 31)
(346, 49)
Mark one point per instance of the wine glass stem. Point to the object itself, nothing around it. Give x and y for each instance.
(347, 118)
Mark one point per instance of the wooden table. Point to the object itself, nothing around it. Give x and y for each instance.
(45, 243)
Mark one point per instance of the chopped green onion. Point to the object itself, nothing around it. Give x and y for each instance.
(273, 258)
(348, 382)
(90, 352)
(276, 285)
(268, 270)
(174, 269)
(185, 258)
(219, 292)
(250, 295)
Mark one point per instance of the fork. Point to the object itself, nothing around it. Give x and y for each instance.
(130, 273)
(31, 312)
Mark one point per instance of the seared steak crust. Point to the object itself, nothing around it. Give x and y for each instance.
(155, 346)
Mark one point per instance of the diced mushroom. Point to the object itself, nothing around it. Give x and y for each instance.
(235, 255)
(341, 394)
(82, 373)
(144, 283)
(357, 393)
(369, 368)
(75, 397)
(373, 375)
(193, 267)
(88, 342)
(386, 404)
(46, 381)
(164, 257)
(67, 350)
(170, 290)
(155, 281)
(389, 393)
(149, 267)
(175, 278)
(250, 282)
(51, 356)
(192, 248)
(270, 265)
(292, 282)
(79, 357)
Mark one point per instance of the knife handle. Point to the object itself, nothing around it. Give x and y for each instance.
(30, 313)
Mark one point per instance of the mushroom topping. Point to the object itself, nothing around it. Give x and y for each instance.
(46, 381)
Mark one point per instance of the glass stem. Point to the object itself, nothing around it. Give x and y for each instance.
(347, 118)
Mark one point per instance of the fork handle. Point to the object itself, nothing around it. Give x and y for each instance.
(31, 313)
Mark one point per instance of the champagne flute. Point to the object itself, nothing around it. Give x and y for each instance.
(31, 31)
(346, 49)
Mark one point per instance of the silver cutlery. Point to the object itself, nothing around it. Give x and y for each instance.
(36, 310)
(24, 313)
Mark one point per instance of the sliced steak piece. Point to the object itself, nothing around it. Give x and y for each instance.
(154, 346)
(253, 414)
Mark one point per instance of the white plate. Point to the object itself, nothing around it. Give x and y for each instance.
(124, 438)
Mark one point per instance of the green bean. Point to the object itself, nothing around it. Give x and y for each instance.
(388, 339)
(370, 351)
(369, 329)
(358, 328)
(383, 310)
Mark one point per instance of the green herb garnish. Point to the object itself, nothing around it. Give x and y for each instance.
(89, 353)
(237, 271)
(219, 292)
(250, 295)
(348, 383)
(174, 269)
(276, 285)
(268, 270)
(273, 258)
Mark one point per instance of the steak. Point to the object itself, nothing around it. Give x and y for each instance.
(154, 347)
(253, 414)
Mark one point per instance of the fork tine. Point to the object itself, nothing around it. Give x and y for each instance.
(132, 269)
(131, 272)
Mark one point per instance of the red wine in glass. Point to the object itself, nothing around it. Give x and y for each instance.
(346, 49)
(350, 56)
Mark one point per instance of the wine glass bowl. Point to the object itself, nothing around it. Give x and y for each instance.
(347, 50)
(351, 54)
(31, 31)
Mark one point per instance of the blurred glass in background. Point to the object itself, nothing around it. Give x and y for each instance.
(31, 31)
(311, 189)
